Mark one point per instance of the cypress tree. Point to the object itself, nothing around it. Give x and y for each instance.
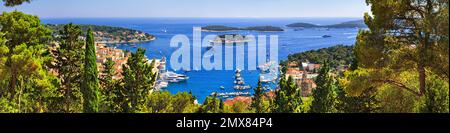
(323, 97)
(90, 86)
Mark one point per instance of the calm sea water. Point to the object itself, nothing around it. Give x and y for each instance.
(203, 83)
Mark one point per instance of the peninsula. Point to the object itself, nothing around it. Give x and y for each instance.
(112, 35)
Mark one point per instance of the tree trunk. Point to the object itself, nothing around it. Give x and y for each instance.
(422, 80)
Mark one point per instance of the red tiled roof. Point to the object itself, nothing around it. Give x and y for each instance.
(230, 102)
(295, 71)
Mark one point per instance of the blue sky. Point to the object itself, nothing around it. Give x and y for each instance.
(193, 8)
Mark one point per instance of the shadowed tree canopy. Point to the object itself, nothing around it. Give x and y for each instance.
(411, 37)
(14, 2)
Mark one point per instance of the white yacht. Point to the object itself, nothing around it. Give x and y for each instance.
(174, 77)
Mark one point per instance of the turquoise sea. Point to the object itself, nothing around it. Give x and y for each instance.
(203, 83)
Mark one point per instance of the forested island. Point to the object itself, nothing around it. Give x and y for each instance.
(349, 24)
(234, 38)
(111, 35)
(221, 28)
(336, 56)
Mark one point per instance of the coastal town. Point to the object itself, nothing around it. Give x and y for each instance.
(123, 37)
(120, 57)
(303, 73)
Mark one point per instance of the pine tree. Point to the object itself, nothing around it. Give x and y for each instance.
(108, 85)
(14, 2)
(69, 64)
(25, 76)
(90, 85)
(258, 99)
(138, 82)
(288, 97)
(210, 105)
(365, 103)
(411, 37)
(323, 95)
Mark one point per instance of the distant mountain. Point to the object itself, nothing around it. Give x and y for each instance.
(349, 24)
(221, 28)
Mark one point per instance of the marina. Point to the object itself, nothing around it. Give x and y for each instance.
(268, 72)
(239, 81)
(230, 94)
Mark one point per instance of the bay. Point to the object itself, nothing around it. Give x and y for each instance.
(202, 83)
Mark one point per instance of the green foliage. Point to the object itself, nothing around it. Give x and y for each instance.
(69, 65)
(336, 56)
(138, 82)
(90, 84)
(109, 89)
(258, 99)
(323, 96)
(25, 79)
(288, 97)
(238, 107)
(211, 105)
(396, 100)
(366, 102)
(436, 96)
(159, 102)
(398, 56)
(400, 44)
(14, 2)
(183, 103)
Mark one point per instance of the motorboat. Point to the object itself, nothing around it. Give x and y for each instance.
(174, 77)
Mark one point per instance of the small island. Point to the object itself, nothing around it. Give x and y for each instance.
(234, 39)
(349, 24)
(112, 35)
(221, 28)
